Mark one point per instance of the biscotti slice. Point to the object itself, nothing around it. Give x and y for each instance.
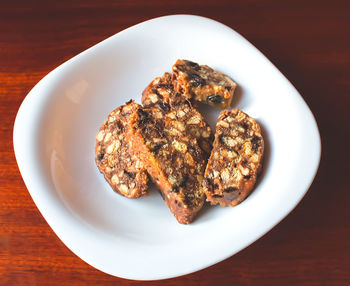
(122, 170)
(175, 162)
(235, 160)
(202, 83)
(160, 94)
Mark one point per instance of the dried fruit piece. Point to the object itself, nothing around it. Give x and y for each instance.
(235, 160)
(203, 84)
(122, 170)
(171, 162)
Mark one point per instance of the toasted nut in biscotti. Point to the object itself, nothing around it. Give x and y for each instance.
(174, 161)
(183, 117)
(235, 160)
(202, 83)
(120, 167)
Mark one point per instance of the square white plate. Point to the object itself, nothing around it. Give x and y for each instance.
(54, 138)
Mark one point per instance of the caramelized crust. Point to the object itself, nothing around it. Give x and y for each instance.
(172, 157)
(235, 160)
(202, 83)
(122, 170)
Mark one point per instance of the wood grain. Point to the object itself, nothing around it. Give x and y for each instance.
(309, 41)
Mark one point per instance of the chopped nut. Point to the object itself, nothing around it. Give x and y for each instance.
(229, 119)
(111, 119)
(254, 158)
(225, 175)
(158, 115)
(240, 116)
(100, 135)
(247, 147)
(240, 129)
(153, 97)
(124, 189)
(174, 132)
(172, 115)
(115, 179)
(234, 133)
(200, 179)
(179, 161)
(111, 147)
(107, 137)
(231, 154)
(245, 171)
(206, 134)
(172, 180)
(229, 141)
(223, 124)
(195, 132)
(216, 155)
(158, 140)
(194, 120)
(189, 159)
(181, 147)
(237, 175)
(138, 164)
(181, 113)
(179, 125)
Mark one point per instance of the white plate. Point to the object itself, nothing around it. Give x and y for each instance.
(54, 138)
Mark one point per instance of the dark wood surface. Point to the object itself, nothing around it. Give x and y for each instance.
(309, 41)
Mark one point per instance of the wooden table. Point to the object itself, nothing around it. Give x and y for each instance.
(309, 41)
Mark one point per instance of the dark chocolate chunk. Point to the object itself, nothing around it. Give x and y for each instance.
(193, 65)
(184, 180)
(129, 174)
(165, 86)
(217, 196)
(245, 126)
(174, 190)
(196, 80)
(100, 156)
(230, 189)
(156, 148)
(119, 126)
(255, 143)
(214, 98)
(164, 107)
(144, 117)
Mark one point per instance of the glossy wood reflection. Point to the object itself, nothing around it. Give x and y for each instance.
(307, 40)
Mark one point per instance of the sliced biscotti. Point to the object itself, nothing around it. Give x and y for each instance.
(160, 94)
(122, 169)
(173, 159)
(235, 160)
(202, 83)
(185, 119)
